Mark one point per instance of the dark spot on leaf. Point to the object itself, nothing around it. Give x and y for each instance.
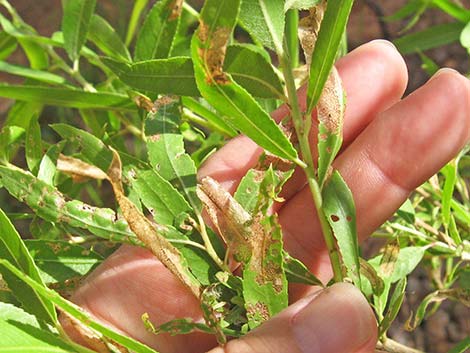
(349, 218)
(323, 137)
(334, 218)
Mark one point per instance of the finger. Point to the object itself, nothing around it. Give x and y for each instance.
(315, 325)
(374, 76)
(397, 152)
(132, 282)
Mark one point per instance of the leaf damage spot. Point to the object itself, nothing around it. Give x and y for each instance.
(176, 7)
(213, 52)
(334, 218)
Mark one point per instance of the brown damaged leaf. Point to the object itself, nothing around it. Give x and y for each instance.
(389, 259)
(213, 53)
(330, 108)
(176, 8)
(230, 219)
(309, 27)
(79, 170)
(262, 261)
(84, 335)
(148, 232)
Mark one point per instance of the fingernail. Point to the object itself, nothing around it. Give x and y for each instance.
(385, 42)
(443, 71)
(337, 320)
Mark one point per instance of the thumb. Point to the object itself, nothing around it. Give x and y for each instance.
(335, 320)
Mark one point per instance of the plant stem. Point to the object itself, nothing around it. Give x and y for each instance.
(208, 244)
(390, 346)
(302, 126)
(292, 23)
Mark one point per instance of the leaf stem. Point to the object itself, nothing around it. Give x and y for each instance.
(390, 346)
(208, 244)
(302, 126)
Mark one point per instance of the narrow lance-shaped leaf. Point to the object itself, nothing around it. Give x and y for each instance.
(231, 221)
(51, 205)
(103, 35)
(326, 47)
(65, 97)
(162, 76)
(330, 113)
(462, 346)
(75, 23)
(159, 196)
(166, 149)
(139, 7)
(155, 39)
(33, 145)
(21, 332)
(59, 261)
(265, 282)
(394, 306)
(78, 313)
(149, 233)
(259, 77)
(12, 249)
(208, 49)
(39, 75)
(338, 204)
(309, 26)
(265, 21)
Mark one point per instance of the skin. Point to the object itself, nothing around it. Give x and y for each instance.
(392, 145)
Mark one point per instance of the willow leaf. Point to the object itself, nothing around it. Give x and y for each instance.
(208, 47)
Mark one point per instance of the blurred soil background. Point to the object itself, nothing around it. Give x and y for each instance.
(451, 323)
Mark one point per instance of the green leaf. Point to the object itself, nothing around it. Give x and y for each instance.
(33, 146)
(259, 77)
(103, 35)
(139, 6)
(78, 313)
(407, 260)
(248, 190)
(450, 174)
(21, 332)
(407, 212)
(161, 76)
(428, 64)
(166, 150)
(42, 76)
(71, 98)
(297, 272)
(59, 261)
(374, 284)
(21, 113)
(36, 54)
(75, 23)
(432, 37)
(462, 346)
(13, 250)
(159, 196)
(242, 111)
(48, 203)
(90, 147)
(265, 21)
(453, 9)
(156, 36)
(47, 166)
(217, 122)
(394, 306)
(8, 45)
(327, 45)
(338, 204)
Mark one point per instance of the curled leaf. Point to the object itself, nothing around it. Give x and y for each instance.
(230, 219)
(309, 26)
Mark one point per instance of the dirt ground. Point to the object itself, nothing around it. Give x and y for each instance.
(452, 322)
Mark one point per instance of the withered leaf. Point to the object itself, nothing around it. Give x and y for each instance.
(309, 26)
(230, 219)
(149, 232)
(79, 170)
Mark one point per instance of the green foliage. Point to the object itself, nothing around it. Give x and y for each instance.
(143, 124)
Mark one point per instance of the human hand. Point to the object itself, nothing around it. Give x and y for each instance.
(390, 147)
